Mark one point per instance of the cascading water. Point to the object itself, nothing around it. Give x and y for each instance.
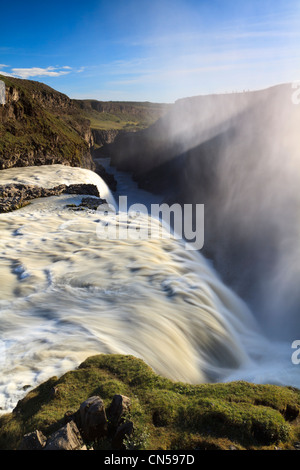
(67, 292)
(239, 155)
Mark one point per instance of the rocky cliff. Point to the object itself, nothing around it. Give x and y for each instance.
(110, 118)
(39, 125)
(144, 112)
(102, 137)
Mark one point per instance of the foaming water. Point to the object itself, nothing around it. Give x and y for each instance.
(68, 292)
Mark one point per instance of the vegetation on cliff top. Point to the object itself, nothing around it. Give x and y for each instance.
(166, 414)
(121, 115)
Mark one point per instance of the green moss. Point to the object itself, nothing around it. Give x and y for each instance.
(166, 414)
(238, 421)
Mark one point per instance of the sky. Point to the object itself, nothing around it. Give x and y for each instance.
(151, 50)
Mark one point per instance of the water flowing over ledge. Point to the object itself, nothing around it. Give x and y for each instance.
(67, 293)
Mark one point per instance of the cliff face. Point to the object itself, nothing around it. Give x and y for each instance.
(39, 125)
(238, 155)
(102, 137)
(143, 111)
(110, 118)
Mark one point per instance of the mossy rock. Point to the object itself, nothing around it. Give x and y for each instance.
(166, 414)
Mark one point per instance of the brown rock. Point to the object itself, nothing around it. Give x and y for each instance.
(123, 431)
(92, 419)
(119, 406)
(33, 441)
(66, 438)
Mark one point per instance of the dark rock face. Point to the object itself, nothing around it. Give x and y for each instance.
(82, 188)
(119, 406)
(124, 431)
(236, 154)
(33, 441)
(103, 137)
(106, 176)
(14, 196)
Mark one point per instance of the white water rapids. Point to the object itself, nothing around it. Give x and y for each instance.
(67, 293)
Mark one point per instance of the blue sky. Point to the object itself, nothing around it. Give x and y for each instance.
(151, 50)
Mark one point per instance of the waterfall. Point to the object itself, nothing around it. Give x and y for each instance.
(67, 293)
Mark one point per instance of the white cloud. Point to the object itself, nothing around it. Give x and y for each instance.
(5, 74)
(38, 72)
(31, 72)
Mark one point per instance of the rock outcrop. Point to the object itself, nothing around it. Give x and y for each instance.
(13, 196)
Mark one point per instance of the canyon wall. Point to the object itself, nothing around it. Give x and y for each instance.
(239, 155)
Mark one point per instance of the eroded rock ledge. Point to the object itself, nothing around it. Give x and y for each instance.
(14, 196)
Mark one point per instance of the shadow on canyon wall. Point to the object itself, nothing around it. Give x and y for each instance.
(238, 154)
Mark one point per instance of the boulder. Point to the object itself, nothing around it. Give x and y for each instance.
(33, 441)
(119, 406)
(88, 202)
(66, 438)
(92, 419)
(123, 431)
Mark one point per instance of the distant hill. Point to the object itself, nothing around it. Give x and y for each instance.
(110, 118)
(126, 115)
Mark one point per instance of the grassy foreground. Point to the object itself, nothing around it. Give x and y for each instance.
(166, 414)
